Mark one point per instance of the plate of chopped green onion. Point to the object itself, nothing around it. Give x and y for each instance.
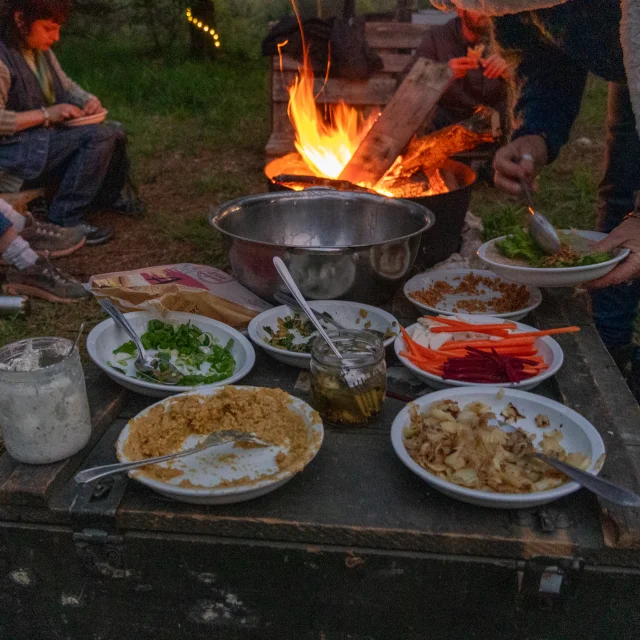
(205, 351)
(288, 336)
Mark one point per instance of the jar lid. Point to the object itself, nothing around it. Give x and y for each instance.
(359, 349)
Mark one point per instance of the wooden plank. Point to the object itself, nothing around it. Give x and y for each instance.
(393, 62)
(412, 102)
(394, 35)
(377, 90)
(34, 484)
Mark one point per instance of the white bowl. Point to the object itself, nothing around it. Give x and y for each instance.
(210, 468)
(426, 279)
(548, 348)
(344, 312)
(580, 436)
(106, 337)
(556, 276)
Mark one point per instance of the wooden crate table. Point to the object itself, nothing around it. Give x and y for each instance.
(355, 547)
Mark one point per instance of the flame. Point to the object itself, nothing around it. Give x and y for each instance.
(325, 146)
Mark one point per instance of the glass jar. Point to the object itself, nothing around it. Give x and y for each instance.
(332, 397)
(44, 411)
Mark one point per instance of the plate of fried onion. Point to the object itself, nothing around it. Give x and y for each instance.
(452, 439)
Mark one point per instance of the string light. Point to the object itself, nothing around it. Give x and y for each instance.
(205, 27)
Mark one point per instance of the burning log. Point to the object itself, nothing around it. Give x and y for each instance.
(407, 110)
(429, 152)
(298, 182)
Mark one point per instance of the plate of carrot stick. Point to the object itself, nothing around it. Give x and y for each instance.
(465, 350)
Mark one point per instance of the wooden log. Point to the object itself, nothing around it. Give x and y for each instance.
(410, 105)
(429, 152)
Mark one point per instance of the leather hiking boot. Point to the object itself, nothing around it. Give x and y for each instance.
(51, 240)
(43, 280)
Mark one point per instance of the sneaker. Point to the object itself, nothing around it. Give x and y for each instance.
(96, 235)
(43, 280)
(51, 240)
(38, 207)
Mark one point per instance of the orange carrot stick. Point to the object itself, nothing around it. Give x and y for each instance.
(547, 332)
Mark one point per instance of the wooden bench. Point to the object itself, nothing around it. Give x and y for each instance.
(394, 42)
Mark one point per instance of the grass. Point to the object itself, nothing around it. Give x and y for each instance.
(218, 112)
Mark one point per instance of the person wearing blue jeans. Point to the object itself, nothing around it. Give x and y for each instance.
(36, 99)
(558, 43)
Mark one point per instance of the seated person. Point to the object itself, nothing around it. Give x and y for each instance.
(480, 76)
(88, 162)
(21, 239)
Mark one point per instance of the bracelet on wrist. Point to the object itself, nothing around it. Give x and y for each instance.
(47, 117)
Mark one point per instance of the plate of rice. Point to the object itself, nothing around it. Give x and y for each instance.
(232, 472)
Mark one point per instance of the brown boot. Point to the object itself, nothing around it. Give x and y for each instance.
(50, 239)
(43, 280)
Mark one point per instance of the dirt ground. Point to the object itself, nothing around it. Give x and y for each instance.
(174, 228)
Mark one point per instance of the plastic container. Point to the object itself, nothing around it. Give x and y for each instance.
(44, 411)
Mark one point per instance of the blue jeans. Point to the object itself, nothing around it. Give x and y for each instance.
(80, 159)
(615, 308)
(5, 224)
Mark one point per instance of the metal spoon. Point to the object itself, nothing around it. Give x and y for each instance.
(540, 229)
(281, 268)
(595, 484)
(213, 440)
(322, 315)
(170, 374)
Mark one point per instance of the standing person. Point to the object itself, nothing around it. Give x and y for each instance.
(480, 74)
(21, 239)
(559, 43)
(88, 162)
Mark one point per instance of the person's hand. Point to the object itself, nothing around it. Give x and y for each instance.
(92, 106)
(627, 236)
(520, 159)
(461, 66)
(61, 112)
(495, 67)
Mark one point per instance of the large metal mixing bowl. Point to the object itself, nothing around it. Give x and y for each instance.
(336, 244)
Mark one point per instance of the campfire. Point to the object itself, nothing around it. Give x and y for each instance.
(335, 144)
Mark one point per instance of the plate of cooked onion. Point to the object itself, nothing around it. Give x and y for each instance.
(453, 441)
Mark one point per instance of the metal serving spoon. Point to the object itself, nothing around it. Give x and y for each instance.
(145, 364)
(540, 229)
(213, 440)
(281, 268)
(601, 487)
(322, 315)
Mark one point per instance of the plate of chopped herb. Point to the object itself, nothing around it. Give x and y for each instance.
(207, 352)
(518, 259)
(287, 335)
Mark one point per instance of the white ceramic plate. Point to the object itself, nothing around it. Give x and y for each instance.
(548, 348)
(554, 277)
(454, 276)
(209, 468)
(106, 337)
(346, 313)
(95, 118)
(580, 436)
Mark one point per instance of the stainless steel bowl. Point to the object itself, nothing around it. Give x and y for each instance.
(336, 244)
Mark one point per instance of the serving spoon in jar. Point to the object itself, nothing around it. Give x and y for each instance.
(213, 440)
(161, 371)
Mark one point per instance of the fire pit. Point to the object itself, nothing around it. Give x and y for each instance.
(449, 202)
